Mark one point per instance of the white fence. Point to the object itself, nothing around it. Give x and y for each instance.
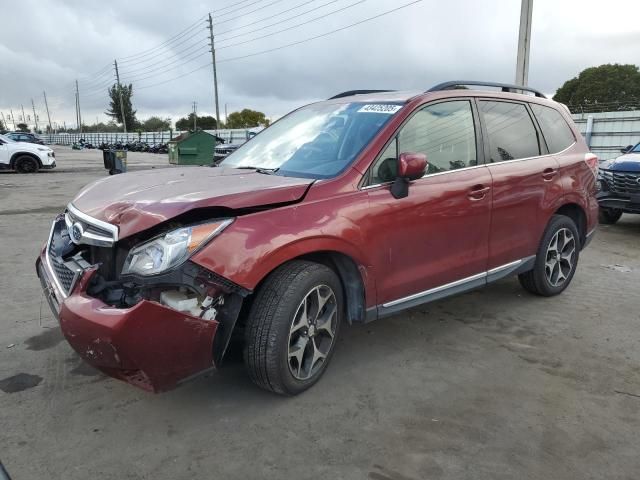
(152, 138)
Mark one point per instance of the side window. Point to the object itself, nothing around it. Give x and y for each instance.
(554, 128)
(444, 132)
(511, 132)
(386, 167)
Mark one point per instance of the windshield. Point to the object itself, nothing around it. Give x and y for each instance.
(318, 141)
(6, 139)
(636, 149)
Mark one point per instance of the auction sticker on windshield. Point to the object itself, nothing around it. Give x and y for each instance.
(380, 108)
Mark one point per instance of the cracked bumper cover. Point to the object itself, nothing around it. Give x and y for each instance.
(148, 345)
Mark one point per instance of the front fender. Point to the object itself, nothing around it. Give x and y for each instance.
(254, 245)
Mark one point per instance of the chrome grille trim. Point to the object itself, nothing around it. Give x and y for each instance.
(95, 232)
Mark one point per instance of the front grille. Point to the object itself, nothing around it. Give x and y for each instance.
(94, 232)
(63, 274)
(622, 182)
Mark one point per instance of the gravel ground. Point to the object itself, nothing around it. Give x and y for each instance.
(493, 384)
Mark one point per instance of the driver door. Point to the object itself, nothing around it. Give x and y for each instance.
(438, 235)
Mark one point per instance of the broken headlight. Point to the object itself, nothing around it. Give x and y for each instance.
(171, 249)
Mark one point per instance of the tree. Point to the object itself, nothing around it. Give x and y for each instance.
(22, 127)
(3, 128)
(154, 124)
(115, 112)
(205, 122)
(247, 119)
(603, 84)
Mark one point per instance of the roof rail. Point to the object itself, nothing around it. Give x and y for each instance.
(506, 87)
(349, 93)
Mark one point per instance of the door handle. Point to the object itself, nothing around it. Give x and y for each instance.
(478, 192)
(549, 173)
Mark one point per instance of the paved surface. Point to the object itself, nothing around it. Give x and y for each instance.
(494, 384)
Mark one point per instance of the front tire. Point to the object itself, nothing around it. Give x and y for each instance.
(609, 216)
(292, 328)
(26, 164)
(556, 259)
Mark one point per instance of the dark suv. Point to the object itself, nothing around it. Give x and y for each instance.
(344, 211)
(24, 137)
(620, 185)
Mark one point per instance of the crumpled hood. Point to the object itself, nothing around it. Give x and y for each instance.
(139, 200)
(629, 162)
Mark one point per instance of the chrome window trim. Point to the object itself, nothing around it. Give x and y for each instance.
(94, 221)
(429, 175)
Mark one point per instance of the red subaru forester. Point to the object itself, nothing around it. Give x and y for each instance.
(346, 210)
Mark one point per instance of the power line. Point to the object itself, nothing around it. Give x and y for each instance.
(231, 59)
(166, 42)
(208, 64)
(151, 68)
(190, 58)
(278, 22)
(293, 26)
(247, 13)
(268, 18)
(237, 9)
(152, 57)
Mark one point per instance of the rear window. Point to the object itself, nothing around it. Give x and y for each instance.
(554, 128)
(511, 132)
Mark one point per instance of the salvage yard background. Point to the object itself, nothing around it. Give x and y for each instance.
(489, 385)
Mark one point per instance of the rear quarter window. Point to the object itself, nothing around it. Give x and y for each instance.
(555, 129)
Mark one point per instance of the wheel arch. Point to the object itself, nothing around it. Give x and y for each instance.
(17, 155)
(576, 213)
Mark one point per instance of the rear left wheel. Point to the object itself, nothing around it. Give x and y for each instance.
(293, 326)
(556, 259)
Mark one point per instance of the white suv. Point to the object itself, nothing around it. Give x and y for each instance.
(24, 157)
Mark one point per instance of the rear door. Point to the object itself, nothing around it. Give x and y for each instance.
(525, 180)
(439, 233)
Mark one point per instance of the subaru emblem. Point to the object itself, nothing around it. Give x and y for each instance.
(76, 232)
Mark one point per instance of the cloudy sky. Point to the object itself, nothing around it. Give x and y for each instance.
(48, 44)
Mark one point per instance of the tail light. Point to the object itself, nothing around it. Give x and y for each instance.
(592, 161)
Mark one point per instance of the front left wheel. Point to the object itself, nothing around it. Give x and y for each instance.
(26, 164)
(292, 328)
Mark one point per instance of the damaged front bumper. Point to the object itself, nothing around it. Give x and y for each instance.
(147, 344)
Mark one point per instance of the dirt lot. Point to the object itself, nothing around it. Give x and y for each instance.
(494, 384)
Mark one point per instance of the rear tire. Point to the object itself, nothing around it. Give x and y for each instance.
(292, 328)
(556, 259)
(609, 216)
(26, 164)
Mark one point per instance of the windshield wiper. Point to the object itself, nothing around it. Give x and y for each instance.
(265, 171)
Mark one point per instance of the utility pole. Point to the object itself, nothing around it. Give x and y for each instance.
(524, 43)
(226, 115)
(35, 117)
(195, 115)
(47, 107)
(215, 72)
(124, 120)
(24, 117)
(13, 119)
(78, 107)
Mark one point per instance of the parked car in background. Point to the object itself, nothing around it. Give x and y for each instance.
(25, 137)
(24, 157)
(346, 210)
(619, 182)
(231, 144)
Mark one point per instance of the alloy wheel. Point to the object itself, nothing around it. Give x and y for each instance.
(559, 260)
(312, 332)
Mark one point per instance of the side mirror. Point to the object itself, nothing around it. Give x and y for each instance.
(626, 149)
(411, 166)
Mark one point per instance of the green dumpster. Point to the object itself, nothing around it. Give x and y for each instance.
(192, 148)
